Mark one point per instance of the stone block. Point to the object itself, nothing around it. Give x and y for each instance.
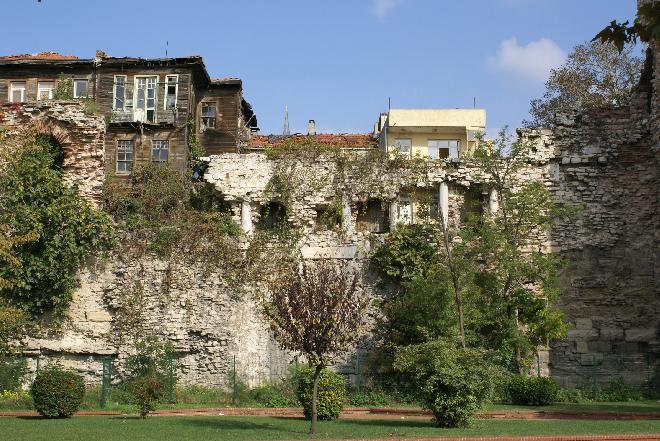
(583, 323)
(581, 347)
(582, 334)
(311, 252)
(98, 316)
(611, 333)
(641, 334)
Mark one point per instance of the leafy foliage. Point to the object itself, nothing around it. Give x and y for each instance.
(63, 88)
(12, 372)
(646, 27)
(147, 391)
(59, 229)
(451, 381)
(57, 393)
(316, 309)
(406, 253)
(532, 391)
(331, 393)
(164, 209)
(594, 75)
(154, 359)
(14, 325)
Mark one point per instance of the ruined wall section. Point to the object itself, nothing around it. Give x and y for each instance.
(80, 134)
(608, 164)
(120, 301)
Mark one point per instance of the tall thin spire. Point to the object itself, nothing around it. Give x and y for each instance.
(286, 132)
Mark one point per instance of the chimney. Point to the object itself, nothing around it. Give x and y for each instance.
(311, 127)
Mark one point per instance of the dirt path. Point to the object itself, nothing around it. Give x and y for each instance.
(377, 414)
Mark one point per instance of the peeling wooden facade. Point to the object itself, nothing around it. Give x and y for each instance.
(149, 104)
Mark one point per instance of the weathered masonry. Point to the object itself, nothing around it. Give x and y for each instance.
(606, 161)
(152, 106)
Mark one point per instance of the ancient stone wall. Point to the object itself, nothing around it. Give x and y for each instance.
(80, 135)
(607, 162)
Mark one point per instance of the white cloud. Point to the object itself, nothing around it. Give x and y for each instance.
(532, 61)
(383, 7)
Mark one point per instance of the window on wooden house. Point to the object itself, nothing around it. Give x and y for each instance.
(125, 150)
(160, 151)
(45, 90)
(171, 88)
(145, 99)
(403, 147)
(208, 115)
(17, 92)
(119, 94)
(80, 88)
(443, 148)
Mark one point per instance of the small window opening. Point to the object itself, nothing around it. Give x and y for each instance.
(171, 84)
(272, 216)
(328, 218)
(160, 151)
(372, 216)
(80, 88)
(125, 150)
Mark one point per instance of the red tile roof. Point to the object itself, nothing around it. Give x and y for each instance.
(340, 140)
(40, 56)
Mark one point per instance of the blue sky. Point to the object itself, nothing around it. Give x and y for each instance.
(334, 61)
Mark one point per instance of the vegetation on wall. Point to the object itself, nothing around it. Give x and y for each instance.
(594, 75)
(56, 229)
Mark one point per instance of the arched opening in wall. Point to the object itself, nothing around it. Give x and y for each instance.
(53, 147)
(372, 216)
(204, 198)
(473, 205)
(272, 216)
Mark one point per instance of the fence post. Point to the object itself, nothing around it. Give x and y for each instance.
(106, 377)
(538, 364)
(170, 381)
(233, 394)
(358, 380)
(37, 365)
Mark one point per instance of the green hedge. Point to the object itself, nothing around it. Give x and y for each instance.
(532, 391)
(57, 393)
(331, 393)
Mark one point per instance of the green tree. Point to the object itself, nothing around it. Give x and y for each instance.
(60, 229)
(316, 309)
(594, 75)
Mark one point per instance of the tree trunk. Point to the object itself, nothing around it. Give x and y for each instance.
(315, 384)
(454, 278)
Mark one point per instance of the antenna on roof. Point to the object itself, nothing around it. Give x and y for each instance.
(474, 102)
(286, 132)
(389, 103)
(167, 43)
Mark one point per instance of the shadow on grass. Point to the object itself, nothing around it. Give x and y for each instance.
(420, 424)
(233, 424)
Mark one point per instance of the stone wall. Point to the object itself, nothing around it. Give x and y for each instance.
(80, 134)
(608, 162)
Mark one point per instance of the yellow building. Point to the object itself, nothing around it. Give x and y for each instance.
(430, 133)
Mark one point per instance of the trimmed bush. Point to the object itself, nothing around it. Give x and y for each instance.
(532, 391)
(147, 391)
(331, 393)
(57, 393)
(450, 381)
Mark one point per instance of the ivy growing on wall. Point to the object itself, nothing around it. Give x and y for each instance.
(60, 228)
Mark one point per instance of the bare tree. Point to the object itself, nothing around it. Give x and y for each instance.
(316, 309)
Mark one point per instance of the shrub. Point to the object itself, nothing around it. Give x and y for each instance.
(57, 393)
(147, 391)
(450, 381)
(331, 393)
(154, 358)
(274, 395)
(12, 371)
(532, 391)
(370, 398)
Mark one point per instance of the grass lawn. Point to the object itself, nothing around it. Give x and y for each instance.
(266, 428)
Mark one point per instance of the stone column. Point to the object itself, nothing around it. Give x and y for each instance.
(394, 214)
(246, 217)
(443, 200)
(346, 216)
(493, 201)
